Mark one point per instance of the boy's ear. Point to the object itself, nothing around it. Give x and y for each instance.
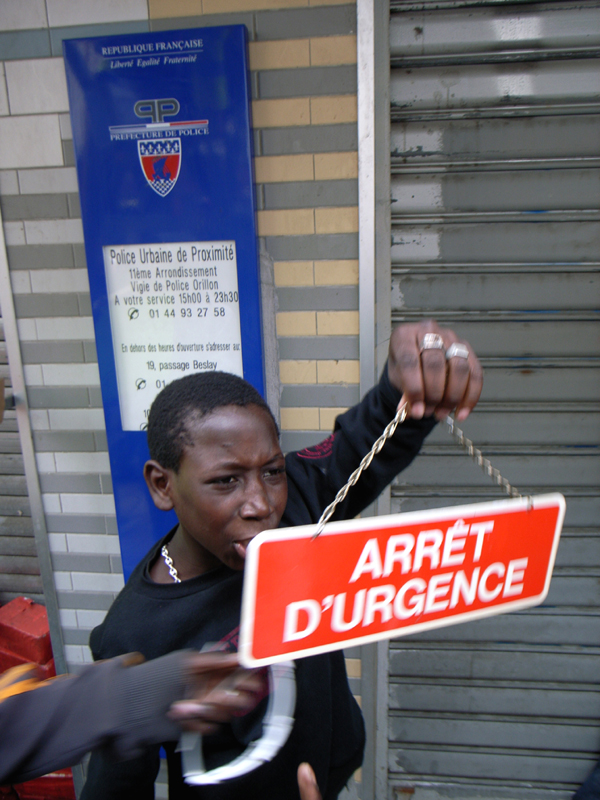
(158, 480)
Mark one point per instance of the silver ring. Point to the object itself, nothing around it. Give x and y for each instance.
(432, 341)
(457, 350)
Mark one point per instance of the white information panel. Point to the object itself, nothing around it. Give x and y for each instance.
(174, 310)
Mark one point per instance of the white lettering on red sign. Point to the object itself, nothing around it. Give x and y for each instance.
(405, 553)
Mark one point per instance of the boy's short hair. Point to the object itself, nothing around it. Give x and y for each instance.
(189, 399)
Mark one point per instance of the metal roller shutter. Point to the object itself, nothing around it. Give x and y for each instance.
(19, 566)
(495, 185)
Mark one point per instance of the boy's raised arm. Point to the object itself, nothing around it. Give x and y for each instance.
(436, 372)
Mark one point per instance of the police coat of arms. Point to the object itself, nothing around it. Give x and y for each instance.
(160, 160)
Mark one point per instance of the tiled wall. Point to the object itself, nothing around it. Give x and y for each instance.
(303, 62)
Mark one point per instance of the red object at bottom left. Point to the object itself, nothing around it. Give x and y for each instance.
(25, 639)
(55, 786)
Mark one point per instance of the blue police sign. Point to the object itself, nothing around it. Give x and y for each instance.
(161, 129)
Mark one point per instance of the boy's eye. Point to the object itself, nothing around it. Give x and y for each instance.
(275, 472)
(225, 480)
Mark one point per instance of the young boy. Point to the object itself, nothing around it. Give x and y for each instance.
(216, 460)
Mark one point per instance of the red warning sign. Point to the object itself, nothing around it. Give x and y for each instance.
(388, 576)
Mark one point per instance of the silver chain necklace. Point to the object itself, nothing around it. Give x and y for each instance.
(170, 565)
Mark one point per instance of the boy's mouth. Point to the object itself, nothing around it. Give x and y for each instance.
(241, 547)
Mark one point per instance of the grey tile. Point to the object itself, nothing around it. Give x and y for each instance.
(310, 194)
(298, 440)
(9, 183)
(24, 44)
(76, 635)
(309, 139)
(73, 397)
(74, 484)
(111, 525)
(74, 205)
(354, 684)
(259, 196)
(97, 601)
(79, 255)
(204, 21)
(52, 352)
(307, 82)
(95, 396)
(67, 441)
(101, 441)
(68, 153)
(317, 21)
(75, 523)
(46, 305)
(40, 256)
(83, 31)
(319, 395)
(106, 484)
(254, 90)
(90, 352)
(78, 562)
(38, 206)
(318, 298)
(296, 248)
(116, 565)
(85, 304)
(323, 347)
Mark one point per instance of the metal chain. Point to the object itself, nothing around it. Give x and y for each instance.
(388, 432)
(170, 565)
(480, 459)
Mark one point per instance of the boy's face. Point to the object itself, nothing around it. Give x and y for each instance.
(230, 486)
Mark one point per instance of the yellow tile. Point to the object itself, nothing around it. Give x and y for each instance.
(300, 419)
(327, 2)
(336, 220)
(281, 113)
(280, 54)
(298, 371)
(222, 6)
(277, 169)
(294, 273)
(358, 773)
(296, 323)
(327, 417)
(353, 667)
(332, 110)
(338, 371)
(336, 273)
(336, 166)
(286, 222)
(337, 323)
(174, 8)
(329, 50)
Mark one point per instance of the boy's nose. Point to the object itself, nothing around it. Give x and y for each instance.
(256, 502)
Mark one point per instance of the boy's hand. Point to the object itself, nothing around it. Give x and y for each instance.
(433, 378)
(307, 783)
(219, 690)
